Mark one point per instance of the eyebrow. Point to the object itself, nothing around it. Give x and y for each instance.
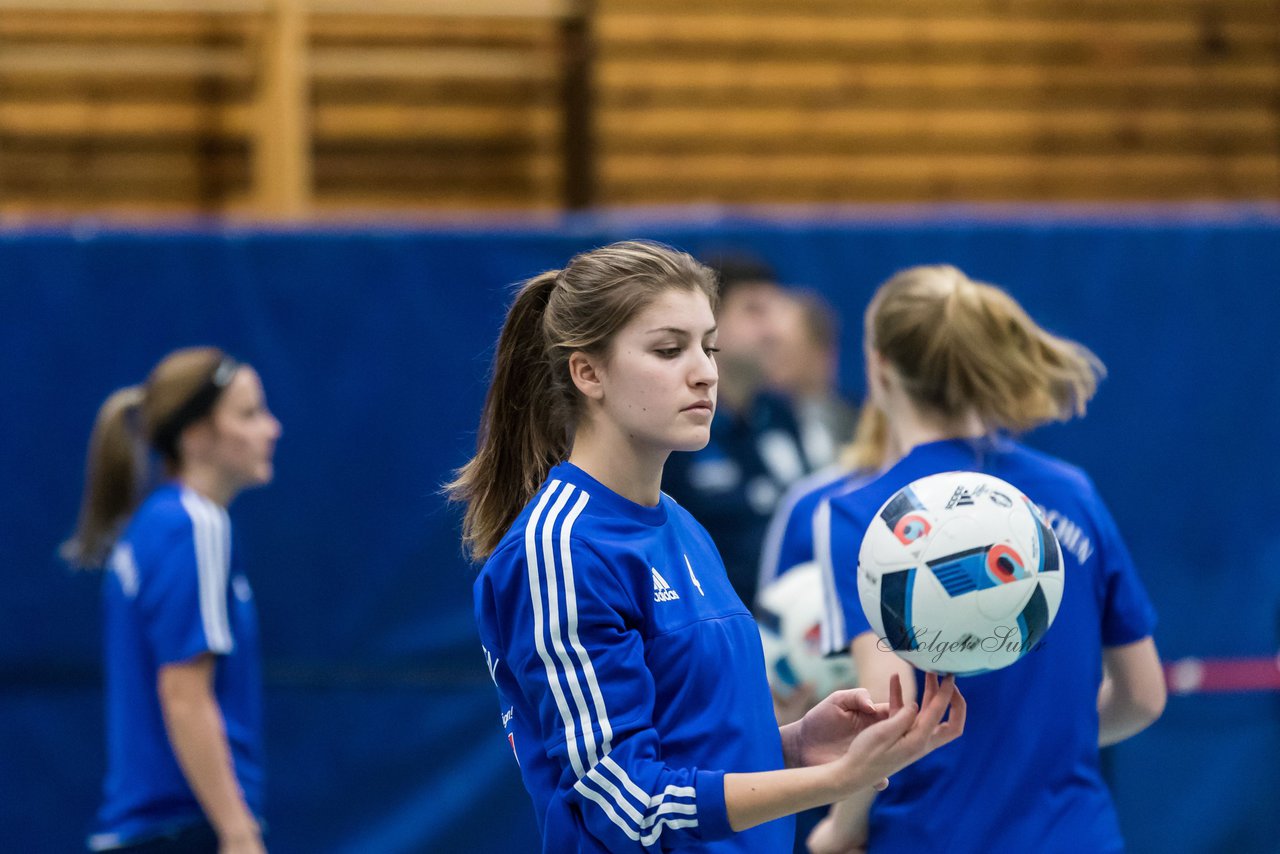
(678, 331)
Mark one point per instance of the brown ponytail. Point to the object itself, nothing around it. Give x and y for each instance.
(117, 469)
(964, 346)
(523, 432)
(531, 409)
(113, 477)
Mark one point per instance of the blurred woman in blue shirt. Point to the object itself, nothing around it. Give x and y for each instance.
(957, 367)
(183, 683)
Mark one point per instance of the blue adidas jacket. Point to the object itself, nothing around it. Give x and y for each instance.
(630, 675)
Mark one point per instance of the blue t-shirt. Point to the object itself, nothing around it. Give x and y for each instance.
(789, 539)
(174, 590)
(630, 676)
(1024, 776)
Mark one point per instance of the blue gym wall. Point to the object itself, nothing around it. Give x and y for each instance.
(374, 346)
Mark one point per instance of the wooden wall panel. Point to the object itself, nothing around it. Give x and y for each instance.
(878, 100)
(105, 111)
(722, 101)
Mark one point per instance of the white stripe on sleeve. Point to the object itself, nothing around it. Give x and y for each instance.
(535, 593)
(554, 629)
(211, 530)
(833, 630)
(571, 614)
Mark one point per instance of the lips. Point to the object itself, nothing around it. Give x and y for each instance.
(700, 405)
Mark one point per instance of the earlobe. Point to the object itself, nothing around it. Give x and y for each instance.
(585, 376)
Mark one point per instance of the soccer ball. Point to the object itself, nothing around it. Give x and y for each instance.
(959, 573)
(789, 614)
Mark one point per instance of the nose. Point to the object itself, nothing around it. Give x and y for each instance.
(704, 373)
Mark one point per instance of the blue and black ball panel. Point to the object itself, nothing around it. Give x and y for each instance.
(1049, 557)
(978, 569)
(1033, 622)
(904, 503)
(895, 608)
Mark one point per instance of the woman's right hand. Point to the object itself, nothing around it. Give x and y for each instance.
(881, 738)
(907, 734)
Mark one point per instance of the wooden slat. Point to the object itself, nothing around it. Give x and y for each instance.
(330, 122)
(788, 31)
(485, 93)
(534, 9)
(187, 169)
(442, 202)
(1045, 9)
(938, 41)
(786, 169)
(124, 119)
(127, 61)
(114, 29)
(445, 32)
(146, 7)
(407, 172)
(123, 210)
(852, 131)
(407, 64)
(395, 121)
(658, 79)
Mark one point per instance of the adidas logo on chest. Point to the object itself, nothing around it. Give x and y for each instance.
(662, 591)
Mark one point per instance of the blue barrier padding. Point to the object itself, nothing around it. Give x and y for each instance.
(374, 344)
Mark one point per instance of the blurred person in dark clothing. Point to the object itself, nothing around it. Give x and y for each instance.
(803, 366)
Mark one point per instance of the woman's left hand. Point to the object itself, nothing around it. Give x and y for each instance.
(824, 733)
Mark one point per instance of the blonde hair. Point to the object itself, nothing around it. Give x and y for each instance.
(868, 450)
(963, 346)
(532, 406)
(117, 466)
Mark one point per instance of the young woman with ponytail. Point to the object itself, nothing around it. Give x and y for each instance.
(630, 677)
(184, 707)
(958, 369)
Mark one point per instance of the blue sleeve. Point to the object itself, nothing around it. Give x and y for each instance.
(789, 540)
(1127, 612)
(837, 538)
(576, 654)
(182, 594)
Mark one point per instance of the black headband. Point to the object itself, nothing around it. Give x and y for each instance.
(165, 437)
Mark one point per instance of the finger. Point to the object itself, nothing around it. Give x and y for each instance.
(936, 706)
(854, 699)
(881, 784)
(895, 693)
(954, 727)
(893, 728)
(930, 687)
(940, 697)
(864, 703)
